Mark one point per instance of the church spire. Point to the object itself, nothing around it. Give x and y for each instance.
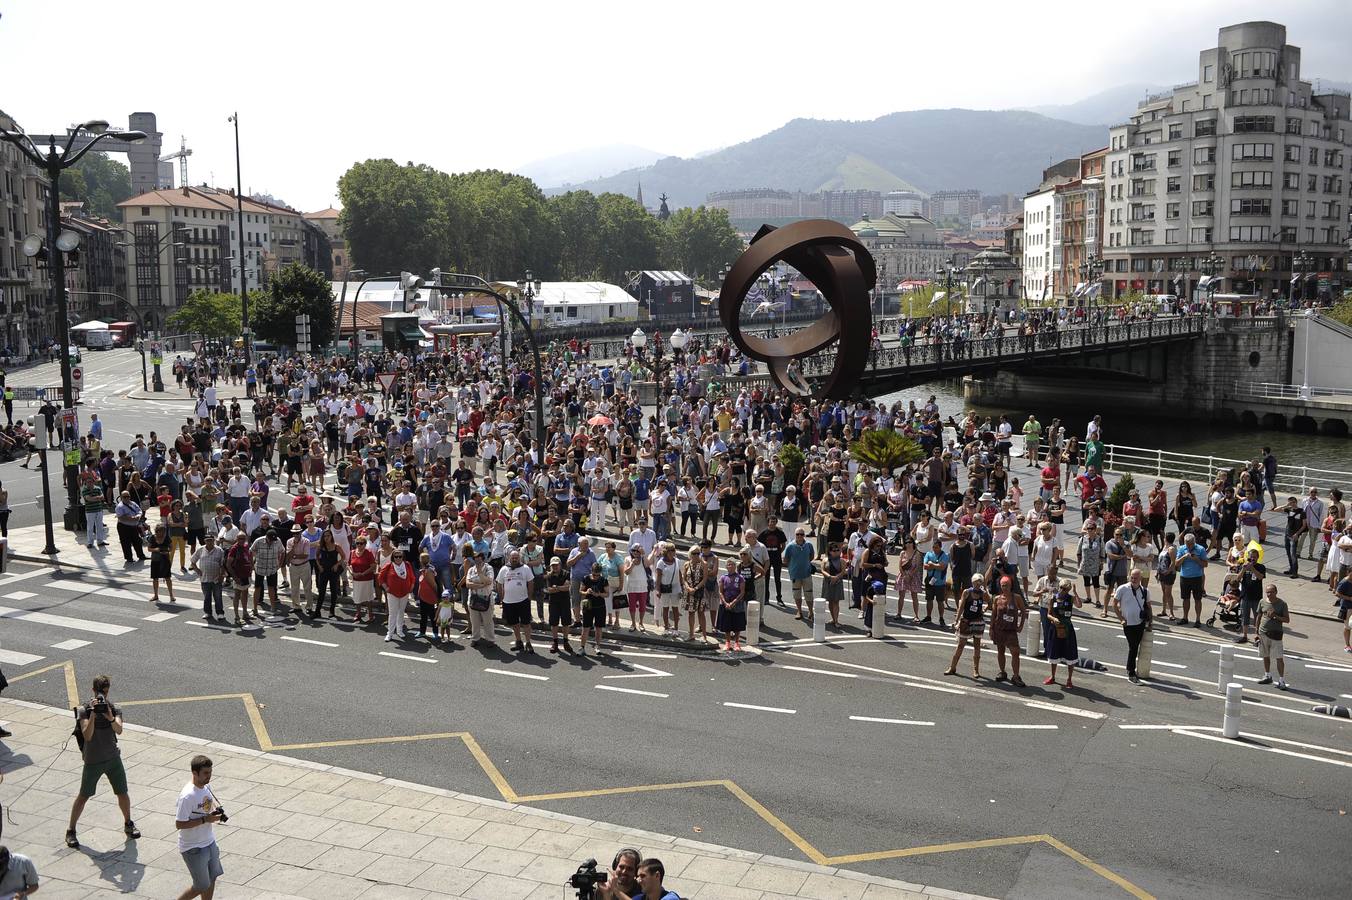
(640, 193)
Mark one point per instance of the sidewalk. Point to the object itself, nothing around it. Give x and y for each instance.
(304, 830)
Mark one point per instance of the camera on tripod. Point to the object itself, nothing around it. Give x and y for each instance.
(586, 878)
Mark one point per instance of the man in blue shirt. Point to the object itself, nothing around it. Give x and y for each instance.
(579, 563)
(936, 580)
(1192, 563)
(798, 556)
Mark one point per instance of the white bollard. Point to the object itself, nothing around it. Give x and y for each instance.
(753, 616)
(1227, 673)
(1033, 641)
(819, 615)
(1234, 699)
(879, 616)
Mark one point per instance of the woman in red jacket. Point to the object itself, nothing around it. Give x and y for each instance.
(428, 595)
(398, 578)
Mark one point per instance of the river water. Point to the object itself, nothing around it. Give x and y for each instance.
(1179, 436)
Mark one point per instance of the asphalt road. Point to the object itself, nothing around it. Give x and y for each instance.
(1176, 812)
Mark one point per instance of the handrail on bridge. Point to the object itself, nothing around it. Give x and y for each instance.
(1201, 470)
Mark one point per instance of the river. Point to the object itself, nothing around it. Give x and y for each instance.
(1179, 436)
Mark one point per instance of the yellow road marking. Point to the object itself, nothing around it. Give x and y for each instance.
(508, 793)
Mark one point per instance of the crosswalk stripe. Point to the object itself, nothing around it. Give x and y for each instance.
(72, 644)
(84, 587)
(15, 658)
(41, 618)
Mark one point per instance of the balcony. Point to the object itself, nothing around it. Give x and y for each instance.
(1143, 167)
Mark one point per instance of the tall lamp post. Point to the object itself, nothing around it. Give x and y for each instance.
(1303, 263)
(1212, 266)
(945, 273)
(529, 288)
(638, 340)
(1092, 271)
(58, 243)
(239, 215)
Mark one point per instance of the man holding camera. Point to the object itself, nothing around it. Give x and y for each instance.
(649, 881)
(197, 810)
(18, 875)
(100, 722)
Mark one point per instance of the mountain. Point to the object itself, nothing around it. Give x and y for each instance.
(582, 165)
(1104, 108)
(996, 151)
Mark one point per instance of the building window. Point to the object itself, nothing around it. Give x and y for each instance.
(1203, 156)
(1176, 131)
(1250, 179)
(1173, 185)
(1250, 234)
(1251, 151)
(1204, 182)
(1251, 124)
(1171, 235)
(1291, 181)
(1171, 211)
(1207, 72)
(1204, 128)
(1175, 158)
(1250, 206)
(1290, 207)
(1293, 126)
(1203, 207)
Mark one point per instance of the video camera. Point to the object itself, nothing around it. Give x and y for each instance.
(586, 878)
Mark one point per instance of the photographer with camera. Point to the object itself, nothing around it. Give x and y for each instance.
(18, 875)
(198, 808)
(629, 879)
(98, 723)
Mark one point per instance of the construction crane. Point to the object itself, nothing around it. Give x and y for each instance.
(182, 157)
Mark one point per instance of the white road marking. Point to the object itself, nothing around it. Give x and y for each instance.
(1250, 746)
(301, 640)
(41, 572)
(819, 671)
(1328, 668)
(934, 687)
(15, 658)
(513, 674)
(1155, 642)
(1150, 727)
(611, 687)
(648, 672)
(106, 590)
(221, 625)
(888, 721)
(42, 618)
(1168, 665)
(72, 644)
(1068, 710)
(773, 709)
(1022, 727)
(160, 617)
(1238, 656)
(423, 659)
(20, 595)
(646, 655)
(1346, 696)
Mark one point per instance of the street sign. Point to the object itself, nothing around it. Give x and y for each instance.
(77, 377)
(303, 334)
(386, 380)
(30, 393)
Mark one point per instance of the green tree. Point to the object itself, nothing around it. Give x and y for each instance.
(395, 217)
(509, 225)
(885, 450)
(699, 242)
(293, 291)
(101, 183)
(629, 237)
(212, 315)
(577, 215)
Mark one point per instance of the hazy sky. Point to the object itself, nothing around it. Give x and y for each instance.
(321, 84)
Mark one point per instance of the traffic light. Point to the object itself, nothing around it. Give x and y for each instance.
(409, 284)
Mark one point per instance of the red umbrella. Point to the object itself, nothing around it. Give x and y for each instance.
(600, 420)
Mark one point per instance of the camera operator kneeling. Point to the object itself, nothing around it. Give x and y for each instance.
(650, 875)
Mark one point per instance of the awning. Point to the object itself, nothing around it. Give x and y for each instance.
(409, 330)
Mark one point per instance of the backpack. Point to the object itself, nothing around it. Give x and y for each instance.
(78, 733)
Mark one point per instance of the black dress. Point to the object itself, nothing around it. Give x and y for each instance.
(159, 557)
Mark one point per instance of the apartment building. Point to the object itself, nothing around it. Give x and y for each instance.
(904, 247)
(327, 221)
(23, 285)
(1249, 163)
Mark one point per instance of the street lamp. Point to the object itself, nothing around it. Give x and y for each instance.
(945, 272)
(1305, 374)
(1092, 271)
(1303, 263)
(530, 288)
(1212, 266)
(54, 162)
(239, 214)
(638, 340)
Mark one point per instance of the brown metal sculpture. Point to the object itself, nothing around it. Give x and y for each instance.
(830, 256)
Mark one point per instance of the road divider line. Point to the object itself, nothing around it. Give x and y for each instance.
(1068, 710)
(1149, 727)
(820, 671)
(1249, 745)
(1169, 665)
(646, 655)
(159, 617)
(406, 656)
(1328, 668)
(512, 674)
(773, 709)
(72, 644)
(888, 721)
(1015, 727)
(934, 687)
(623, 690)
(301, 640)
(15, 658)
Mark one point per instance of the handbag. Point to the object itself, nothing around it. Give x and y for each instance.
(480, 602)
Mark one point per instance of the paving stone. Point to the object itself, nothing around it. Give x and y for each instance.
(398, 843)
(500, 861)
(344, 860)
(500, 834)
(499, 887)
(447, 879)
(395, 869)
(831, 887)
(349, 834)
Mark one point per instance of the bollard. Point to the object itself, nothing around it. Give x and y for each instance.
(1227, 667)
(879, 616)
(753, 616)
(1330, 709)
(1234, 699)
(4, 554)
(819, 615)
(1144, 654)
(1033, 642)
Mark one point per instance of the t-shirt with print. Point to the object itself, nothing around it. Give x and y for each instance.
(195, 803)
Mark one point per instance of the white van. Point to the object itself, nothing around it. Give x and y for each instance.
(99, 340)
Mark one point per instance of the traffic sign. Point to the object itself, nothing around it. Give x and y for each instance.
(30, 393)
(77, 377)
(386, 380)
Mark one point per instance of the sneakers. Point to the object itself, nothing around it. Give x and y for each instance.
(1266, 679)
(1133, 678)
(71, 840)
(4, 732)
(1281, 684)
(130, 830)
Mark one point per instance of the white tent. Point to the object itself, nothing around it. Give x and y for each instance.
(91, 325)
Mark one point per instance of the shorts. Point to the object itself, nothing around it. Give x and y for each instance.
(117, 776)
(1111, 581)
(1007, 638)
(1166, 577)
(1191, 586)
(1091, 580)
(560, 613)
(594, 615)
(664, 600)
(516, 613)
(1269, 648)
(268, 580)
(638, 601)
(204, 865)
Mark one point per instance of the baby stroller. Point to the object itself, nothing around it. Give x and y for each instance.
(1227, 606)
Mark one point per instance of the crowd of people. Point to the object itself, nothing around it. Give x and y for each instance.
(432, 504)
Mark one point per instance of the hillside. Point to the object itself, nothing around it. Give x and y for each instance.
(994, 151)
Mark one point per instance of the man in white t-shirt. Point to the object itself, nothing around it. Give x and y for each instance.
(197, 810)
(514, 585)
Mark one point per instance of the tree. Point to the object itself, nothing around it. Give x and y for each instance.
(395, 217)
(99, 182)
(212, 315)
(577, 215)
(699, 242)
(295, 290)
(629, 237)
(885, 450)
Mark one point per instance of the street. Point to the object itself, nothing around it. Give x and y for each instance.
(888, 766)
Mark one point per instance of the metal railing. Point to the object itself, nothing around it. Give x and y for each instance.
(930, 354)
(1268, 390)
(1202, 470)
